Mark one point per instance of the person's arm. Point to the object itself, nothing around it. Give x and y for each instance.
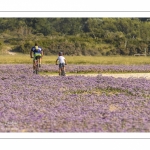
(42, 53)
(65, 61)
(31, 54)
(56, 61)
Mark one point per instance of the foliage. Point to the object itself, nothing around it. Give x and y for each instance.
(78, 36)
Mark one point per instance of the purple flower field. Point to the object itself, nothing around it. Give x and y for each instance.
(36, 103)
(98, 68)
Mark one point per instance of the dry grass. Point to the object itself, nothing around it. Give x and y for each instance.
(104, 60)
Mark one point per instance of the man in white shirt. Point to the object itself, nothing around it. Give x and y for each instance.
(62, 62)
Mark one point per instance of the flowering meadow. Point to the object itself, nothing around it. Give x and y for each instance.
(37, 103)
(99, 68)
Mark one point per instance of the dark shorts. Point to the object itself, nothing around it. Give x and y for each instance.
(36, 56)
(61, 65)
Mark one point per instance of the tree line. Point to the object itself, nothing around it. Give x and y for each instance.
(77, 36)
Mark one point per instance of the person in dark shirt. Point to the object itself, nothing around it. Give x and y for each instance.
(36, 51)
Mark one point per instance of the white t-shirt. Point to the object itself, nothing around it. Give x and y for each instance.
(61, 59)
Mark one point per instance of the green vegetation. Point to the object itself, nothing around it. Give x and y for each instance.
(98, 91)
(76, 36)
(50, 59)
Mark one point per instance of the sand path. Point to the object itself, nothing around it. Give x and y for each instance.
(116, 75)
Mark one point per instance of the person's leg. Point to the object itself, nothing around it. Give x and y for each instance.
(60, 66)
(63, 68)
(40, 60)
(59, 71)
(33, 65)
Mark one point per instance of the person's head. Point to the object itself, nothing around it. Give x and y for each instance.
(36, 46)
(60, 53)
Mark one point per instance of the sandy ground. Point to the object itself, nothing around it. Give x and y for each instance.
(11, 53)
(125, 75)
(117, 75)
(130, 75)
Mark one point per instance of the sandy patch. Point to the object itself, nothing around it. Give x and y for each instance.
(129, 75)
(115, 75)
(11, 53)
(120, 75)
(113, 108)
